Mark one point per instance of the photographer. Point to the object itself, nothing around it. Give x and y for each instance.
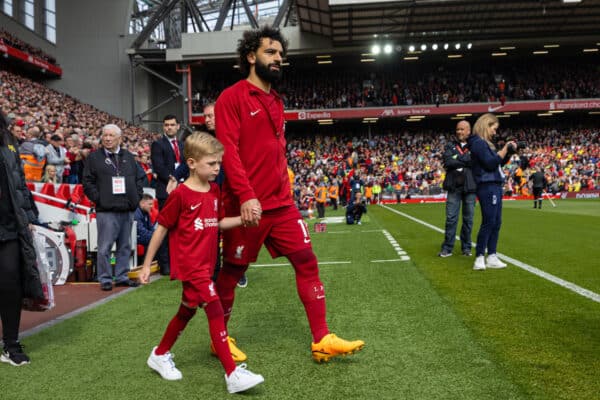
(460, 185)
(355, 209)
(487, 170)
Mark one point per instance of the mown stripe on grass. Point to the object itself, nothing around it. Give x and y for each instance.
(288, 264)
(531, 269)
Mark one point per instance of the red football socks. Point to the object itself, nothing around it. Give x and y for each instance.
(311, 291)
(175, 327)
(227, 280)
(218, 335)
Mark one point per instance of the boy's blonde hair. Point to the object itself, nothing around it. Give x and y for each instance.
(482, 128)
(201, 144)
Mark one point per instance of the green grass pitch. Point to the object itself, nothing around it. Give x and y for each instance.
(433, 327)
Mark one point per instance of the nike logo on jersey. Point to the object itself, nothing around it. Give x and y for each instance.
(253, 113)
(195, 206)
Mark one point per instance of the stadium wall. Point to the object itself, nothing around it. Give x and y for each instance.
(20, 31)
(91, 39)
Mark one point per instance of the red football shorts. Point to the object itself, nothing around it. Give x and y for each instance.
(283, 232)
(199, 292)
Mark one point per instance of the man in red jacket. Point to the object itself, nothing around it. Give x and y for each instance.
(250, 124)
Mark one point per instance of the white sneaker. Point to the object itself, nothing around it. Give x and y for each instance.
(164, 365)
(479, 263)
(241, 379)
(494, 262)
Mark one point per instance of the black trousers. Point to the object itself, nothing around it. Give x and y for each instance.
(11, 294)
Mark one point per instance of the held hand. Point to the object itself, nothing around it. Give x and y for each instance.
(250, 211)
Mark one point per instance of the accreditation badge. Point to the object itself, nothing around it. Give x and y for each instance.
(118, 185)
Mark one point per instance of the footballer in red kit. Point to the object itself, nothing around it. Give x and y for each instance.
(250, 124)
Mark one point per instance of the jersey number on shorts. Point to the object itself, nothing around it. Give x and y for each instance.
(304, 228)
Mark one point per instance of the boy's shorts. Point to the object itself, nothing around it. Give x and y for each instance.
(199, 292)
(283, 231)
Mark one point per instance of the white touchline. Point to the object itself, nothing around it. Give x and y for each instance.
(542, 274)
(396, 246)
(382, 261)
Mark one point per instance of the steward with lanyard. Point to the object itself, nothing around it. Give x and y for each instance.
(461, 187)
(114, 182)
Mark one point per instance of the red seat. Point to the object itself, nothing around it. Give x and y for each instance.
(64, 192)
(78, 197)
(48, 189)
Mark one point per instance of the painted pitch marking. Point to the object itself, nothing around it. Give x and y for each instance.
(542, 274)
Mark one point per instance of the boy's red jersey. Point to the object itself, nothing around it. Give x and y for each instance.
(192, 219)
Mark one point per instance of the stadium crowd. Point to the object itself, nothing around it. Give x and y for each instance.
(348, 88)
(40, 113)
(395, 164)
(400, 165)
(13, 41)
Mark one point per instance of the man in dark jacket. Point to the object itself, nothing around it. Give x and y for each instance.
(113, 181)
(460, 185)
(355, 209)
(539, 184)
(167, 155)
(19, 276)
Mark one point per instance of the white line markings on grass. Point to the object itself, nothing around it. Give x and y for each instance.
(396, 246)
(542, 274)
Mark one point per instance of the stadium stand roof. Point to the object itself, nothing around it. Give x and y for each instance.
(351, 22)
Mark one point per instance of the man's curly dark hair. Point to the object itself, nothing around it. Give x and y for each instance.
(251, 42)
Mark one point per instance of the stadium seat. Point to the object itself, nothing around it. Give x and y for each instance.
(78, 197)
(64, 191)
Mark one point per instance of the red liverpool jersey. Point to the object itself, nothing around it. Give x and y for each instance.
(192, 219)
(250, 124)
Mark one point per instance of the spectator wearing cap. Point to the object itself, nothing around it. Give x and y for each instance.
(56, 154)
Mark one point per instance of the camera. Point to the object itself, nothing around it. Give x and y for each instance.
(521, 144)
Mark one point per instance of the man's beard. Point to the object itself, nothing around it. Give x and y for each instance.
(265, 73)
